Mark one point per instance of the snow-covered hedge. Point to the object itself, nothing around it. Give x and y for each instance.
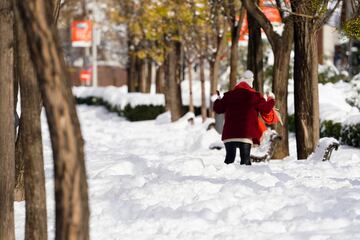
(330, 74)
(133, 106)
(347, 132)
(329, 128)
(142, 112)
(350, 131)
(132, 112)
(119, 97)
(354, 98)
(350, 135)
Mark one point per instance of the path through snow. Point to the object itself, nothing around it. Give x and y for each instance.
(160, 181)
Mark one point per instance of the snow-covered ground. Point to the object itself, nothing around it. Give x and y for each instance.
(155, 180)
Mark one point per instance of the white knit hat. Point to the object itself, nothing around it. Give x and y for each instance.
(248, 77)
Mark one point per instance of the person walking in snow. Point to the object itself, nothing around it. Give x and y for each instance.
(242, 106)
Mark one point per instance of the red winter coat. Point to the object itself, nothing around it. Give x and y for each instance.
(242, 106)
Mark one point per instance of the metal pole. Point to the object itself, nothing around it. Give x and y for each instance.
(94, 56)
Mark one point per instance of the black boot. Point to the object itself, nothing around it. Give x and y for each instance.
(230, 152)
(245, 153)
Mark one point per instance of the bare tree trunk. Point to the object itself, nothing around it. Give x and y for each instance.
(131, 70)
(307, 120)
(281, 46)
(255, 53)
(7, 131)
(213, 86)
(137, 76)
(172, 76)
(19, 191)
(159, 79)
(30, 141)
(345, 12)
(72, 210)
(320, 44)
(56, 9)
(191, 98)
(149, 76)
(280, 87)
(235, 35)
(216, 65)
(203, 95)
(214, 71)
(143, 75)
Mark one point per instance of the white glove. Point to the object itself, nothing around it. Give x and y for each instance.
(271, 94)
(214, 97)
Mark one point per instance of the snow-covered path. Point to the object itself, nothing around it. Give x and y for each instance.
(160, 181)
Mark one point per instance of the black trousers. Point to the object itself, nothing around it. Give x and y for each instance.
(244, 152)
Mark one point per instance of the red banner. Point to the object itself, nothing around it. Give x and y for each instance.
(272, 14)
(85, 76)
(81, 33)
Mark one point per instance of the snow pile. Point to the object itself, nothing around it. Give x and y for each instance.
(354, 98)
(352, 120)
(160, 181)
(332, 101)
(119, 97)
(164, 118)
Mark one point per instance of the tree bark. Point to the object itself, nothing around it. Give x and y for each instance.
(172, 78)
(143, 75)
(235, 34)
(203, 95)
(255, 53)
(56, 9)
(137, 76)
(214, 70)
(19, 191)
(7, 131)
(281, 46)
(280, 87)
(30, 141)
(216, 65)
(307, 120)
(159, 79)
(320, 44)
(191, 97)
(149, 76)
(213, 87)
(72, 211)
(131, 73)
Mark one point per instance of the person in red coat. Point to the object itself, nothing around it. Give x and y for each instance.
(242, 106)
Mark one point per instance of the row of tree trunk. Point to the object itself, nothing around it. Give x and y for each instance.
(140, 74)
(301, 26)
(46, 84)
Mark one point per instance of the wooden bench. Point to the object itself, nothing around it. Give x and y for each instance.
(324, 149)
(259, 154)
(267, 148)
(329, 150)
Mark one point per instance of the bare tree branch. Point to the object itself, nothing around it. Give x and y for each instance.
(326, 16)
(56, 10)
(265, 24)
